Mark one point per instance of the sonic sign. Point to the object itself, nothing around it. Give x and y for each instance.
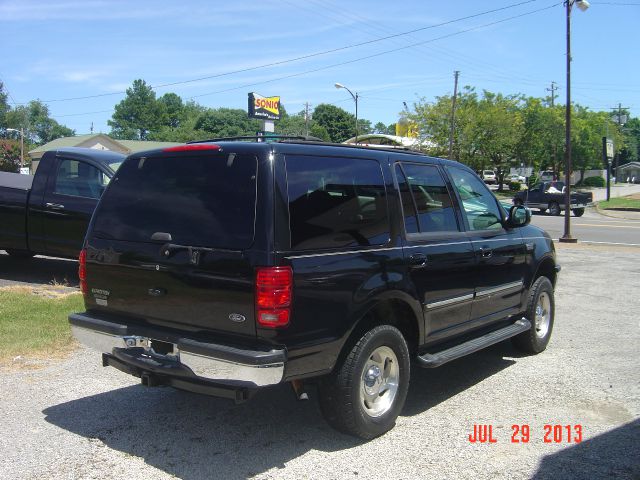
(265, 108)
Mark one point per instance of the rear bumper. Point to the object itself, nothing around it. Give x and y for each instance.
(189, 359)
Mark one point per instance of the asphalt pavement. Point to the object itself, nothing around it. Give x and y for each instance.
(75, 419)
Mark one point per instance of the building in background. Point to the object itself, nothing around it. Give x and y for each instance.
(97, 141)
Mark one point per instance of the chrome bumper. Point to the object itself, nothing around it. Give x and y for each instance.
(211, 362)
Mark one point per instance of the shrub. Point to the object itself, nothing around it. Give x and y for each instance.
(514, 186)
(594, 182)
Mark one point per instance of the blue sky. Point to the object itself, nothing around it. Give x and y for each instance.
(58, 50)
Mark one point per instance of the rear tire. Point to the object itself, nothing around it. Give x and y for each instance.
(540, 312)
(366, 392)
(554, 208)
(24, 254)
(578, 212)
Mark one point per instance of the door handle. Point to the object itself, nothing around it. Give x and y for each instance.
(55, 206)
(417, 260)
(486, 252)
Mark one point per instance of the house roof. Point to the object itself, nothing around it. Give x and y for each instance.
(127, 146)
(629, 165)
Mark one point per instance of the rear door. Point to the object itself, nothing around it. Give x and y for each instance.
(173, 241)
(439, 256)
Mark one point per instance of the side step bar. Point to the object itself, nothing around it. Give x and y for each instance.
(432, 360)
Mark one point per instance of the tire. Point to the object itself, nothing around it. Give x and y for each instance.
(578, 212)
(540, 312)
(24, 254)
(350, 398)
(517, 202)
(554, 208)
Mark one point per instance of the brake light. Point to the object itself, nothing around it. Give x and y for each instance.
(192, 147)
(274, 292)
(82, 271)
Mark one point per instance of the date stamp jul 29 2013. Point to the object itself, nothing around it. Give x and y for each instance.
(523, 433)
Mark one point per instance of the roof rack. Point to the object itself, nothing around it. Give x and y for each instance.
(263, 138)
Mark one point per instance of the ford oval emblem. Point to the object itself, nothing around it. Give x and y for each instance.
(236, 317)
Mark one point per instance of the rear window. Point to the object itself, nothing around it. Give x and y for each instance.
(201, 200)
(336, 202)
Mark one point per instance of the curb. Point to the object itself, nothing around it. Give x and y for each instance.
(617, 213)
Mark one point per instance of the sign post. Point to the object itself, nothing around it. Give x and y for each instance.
(266, 109)
(607, 155)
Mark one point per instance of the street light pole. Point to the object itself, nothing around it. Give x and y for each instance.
(21, 132)
(567, 238)
(355, 99)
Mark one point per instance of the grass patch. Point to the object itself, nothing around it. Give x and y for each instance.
(34, 325)
(631, 201)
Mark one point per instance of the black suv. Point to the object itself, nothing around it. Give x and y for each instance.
(221, 267)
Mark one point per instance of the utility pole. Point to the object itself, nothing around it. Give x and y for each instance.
(555, 146)
(620, 120)
(553, 92)
(306, 118)
(92, 128)
(453, 113)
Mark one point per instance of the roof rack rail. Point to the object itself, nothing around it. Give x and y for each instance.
(264, 138)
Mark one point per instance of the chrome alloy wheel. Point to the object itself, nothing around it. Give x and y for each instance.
(543, 315)
(379, 381)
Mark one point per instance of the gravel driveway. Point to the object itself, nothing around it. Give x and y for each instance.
(75, 419)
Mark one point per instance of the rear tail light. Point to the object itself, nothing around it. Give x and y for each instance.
(82, 271)
(192, 147)
(274, 286)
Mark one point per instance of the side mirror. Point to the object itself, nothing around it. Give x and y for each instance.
(519, 216)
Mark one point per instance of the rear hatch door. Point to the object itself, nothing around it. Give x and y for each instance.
(171, 242)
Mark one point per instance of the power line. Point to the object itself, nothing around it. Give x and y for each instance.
(303, 57)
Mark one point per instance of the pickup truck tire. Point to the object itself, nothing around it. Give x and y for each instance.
(578, 212)
(366, 392)
(540, 312)
(20, 253)
(554, 208)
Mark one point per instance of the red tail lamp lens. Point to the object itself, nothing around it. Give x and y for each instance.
(192, 147)
(274, 287)
(82, 271)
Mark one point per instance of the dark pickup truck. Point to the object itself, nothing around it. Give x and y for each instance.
(549, 196)
(48, 213)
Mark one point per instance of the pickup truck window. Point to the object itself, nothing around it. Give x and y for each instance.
(336, 202)
(478, 202)
(79, 179)
(429, 195)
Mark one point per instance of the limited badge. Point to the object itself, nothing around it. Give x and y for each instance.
(101, 296)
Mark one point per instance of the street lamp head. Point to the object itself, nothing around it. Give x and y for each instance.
(12, 130)
(583, 5)
(339, 85)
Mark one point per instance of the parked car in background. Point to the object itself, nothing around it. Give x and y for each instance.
(48, 213)
(514, 177)
(222, 267)
(550, 196)
(547, 176)
(489, 177)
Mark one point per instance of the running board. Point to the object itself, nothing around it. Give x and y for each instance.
(432, 360)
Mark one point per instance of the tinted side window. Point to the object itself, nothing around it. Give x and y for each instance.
(478, 203)
(79, 179)
(430, 196)
(336, 202)
(408, 203)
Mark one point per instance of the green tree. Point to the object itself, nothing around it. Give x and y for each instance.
(339, 124)
(39, 127)
(137, 114)
(542, 139)
(227, 122)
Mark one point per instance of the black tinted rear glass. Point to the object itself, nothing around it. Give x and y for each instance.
(336, 202)
(204, 200)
